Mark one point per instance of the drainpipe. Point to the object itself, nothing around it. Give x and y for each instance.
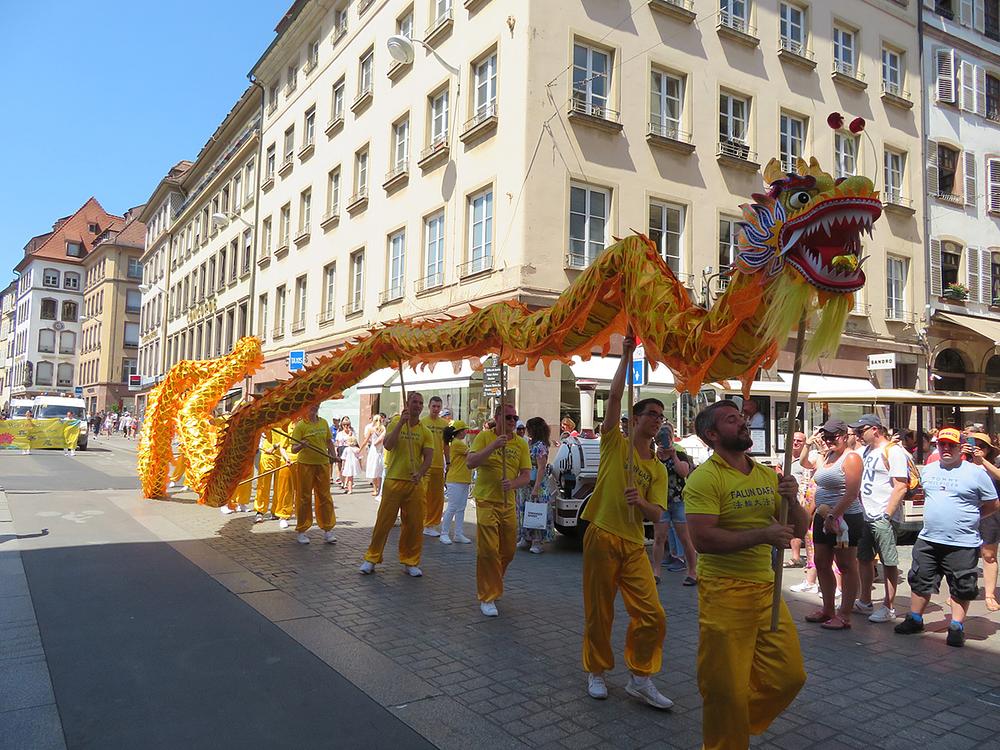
(925, 130)
(251, 303)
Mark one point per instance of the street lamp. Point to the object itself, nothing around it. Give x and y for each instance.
(220, 219)
(401, 50)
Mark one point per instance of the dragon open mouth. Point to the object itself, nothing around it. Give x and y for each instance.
(824, 243)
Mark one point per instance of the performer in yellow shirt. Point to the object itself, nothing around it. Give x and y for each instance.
(272, 460)
(312, 444)
(409, 450)
(747, 675)
(458, 479)
(434, 482)
(503, 464)
(285, 492)
(614, 553)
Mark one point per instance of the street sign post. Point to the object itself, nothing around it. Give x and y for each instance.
(296, 360)
(491, 380)
(639, 366)
(78, 391)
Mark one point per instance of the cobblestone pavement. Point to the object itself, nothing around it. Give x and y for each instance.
(867, 688)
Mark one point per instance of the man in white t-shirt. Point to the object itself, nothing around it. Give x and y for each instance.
(751, 413)
(884, 481)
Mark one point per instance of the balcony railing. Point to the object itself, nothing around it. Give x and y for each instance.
(578, 105)
(848, 73)
(363, 97)
(395, 175)
(393, 294)
(485, 117)
(738, 24)
(476, 265)
(286, 163)
(431, 281)
(894, 197)
(733, 149)
(439, 26)
(796, 48)
(277, 332)
(359, 197)
(438, 149)
(327, 315)
(299, 324)
(353, 307)
(310, 66)
(577, 261)
(669, 131)
(340, 33)
(290, 87)
(331, 216)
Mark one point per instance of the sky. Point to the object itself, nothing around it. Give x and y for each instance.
(102, 97)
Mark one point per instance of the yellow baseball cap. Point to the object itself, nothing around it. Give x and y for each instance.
(458, 425)
(950, 434)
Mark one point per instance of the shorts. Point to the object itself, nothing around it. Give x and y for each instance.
(879, 535)
(855, 526)
(989, 529)
(674, 512)
(932, 561)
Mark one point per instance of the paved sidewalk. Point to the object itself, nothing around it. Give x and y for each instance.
(867, 688)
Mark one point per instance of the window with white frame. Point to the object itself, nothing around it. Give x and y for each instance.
(365, 66)
(310, 127)
(329, 291)
(895, 293)
(845, 153)
(400, 144)
(481, 231)
(434, 250)
(591, 79)
(333, 191)
(337, 104)
(844, 51)
(947, 170)
(792, 140)
(340, 21)
(269, 162)
(289, 145)
(666, 229)
(49, 309)
(47, 340)
(280, 308)
(588, 223)
(272, 97)
(892, 71)
(284, 225)
(734, 114)
(64, 371)
(313, 54)
(292, 77)
(261, 319)
(237, 199)
(735, 13)
(893, 165)
(43, 373)
(67, 342)
(792, 27)
(728, 246)
(300, 303)
(485, 85)
(134, 268)
(305, 210)
(404, 24)
(666, 104)
(439, 118)
(267, 232)
(442, 10)
(357, 280)
(50, 278)
(396, 264)
(361, 172)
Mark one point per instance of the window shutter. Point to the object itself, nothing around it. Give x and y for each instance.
(966, 12)
(981, 91)
(972, 272)
(980, 20)
(932, 168)
(985, 276)
(993, 178)
(944, 65)
(967, 80)
(936, 289)
(970, 179)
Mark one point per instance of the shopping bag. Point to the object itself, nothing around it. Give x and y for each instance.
(536, 515)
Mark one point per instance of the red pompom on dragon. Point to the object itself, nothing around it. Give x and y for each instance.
(800, 253)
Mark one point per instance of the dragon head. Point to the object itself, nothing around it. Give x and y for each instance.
(811, 224)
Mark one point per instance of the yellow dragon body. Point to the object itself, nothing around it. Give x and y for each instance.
(800, 250)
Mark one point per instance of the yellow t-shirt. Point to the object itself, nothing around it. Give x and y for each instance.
(280, 441)
(436, 426)
(401, 462)
(741, 501)
(458, 470)
(489, 475)
(317, 434)
(607, 508)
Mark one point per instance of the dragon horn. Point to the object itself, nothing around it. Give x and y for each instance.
(801, 167)
(773, 172)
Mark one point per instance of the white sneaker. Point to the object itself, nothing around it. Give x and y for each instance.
(445, 539)
(65, 451)
(243, 508)
(366, 568)
(596, 687)
(882, 614)
(302, 538)
(489, 609)
(462, 539)
(643, 687)
(72, 453)
(413, 571)
(523, 544)
(805, 588)
(283, 523)
(431, 531)
(226, 510)
(329, 537)
(863, 609)
(536, 549)
(171, 485)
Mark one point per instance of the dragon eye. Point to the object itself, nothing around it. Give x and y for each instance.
(799, 199)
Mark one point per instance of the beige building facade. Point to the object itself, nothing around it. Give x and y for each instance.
(524, 136)
(109, 334)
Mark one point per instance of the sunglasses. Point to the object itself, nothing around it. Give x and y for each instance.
(511, 417)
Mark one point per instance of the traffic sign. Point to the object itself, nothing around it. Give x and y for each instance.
(134, 382)
(78, 390)
(639, 366)
(296, 360)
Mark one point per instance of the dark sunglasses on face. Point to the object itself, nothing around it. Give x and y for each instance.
(511, 417)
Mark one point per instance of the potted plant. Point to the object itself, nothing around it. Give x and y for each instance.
(956, 292)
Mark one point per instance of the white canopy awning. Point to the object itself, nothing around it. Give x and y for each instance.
(602, 370)
(376, 381)
(442, 376)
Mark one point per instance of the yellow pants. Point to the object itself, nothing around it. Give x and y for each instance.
(313, 480)
(434, 496)
(262, 500)
(180, 466)
(747, 675)
(242, 494)
(285, 493)
(496, 541)
(406, 499)
(611, 563)
(72, 434)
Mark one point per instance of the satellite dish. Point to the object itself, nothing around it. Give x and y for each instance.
(400, 49)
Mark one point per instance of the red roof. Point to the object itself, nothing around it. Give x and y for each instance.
(76, 228)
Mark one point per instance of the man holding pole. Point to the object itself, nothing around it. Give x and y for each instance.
(312, 445)
(503, 464)
(434, 482)
(747, 673)
(409, 450)
(628, 490)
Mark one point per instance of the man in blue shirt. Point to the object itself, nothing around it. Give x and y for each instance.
(958, 495)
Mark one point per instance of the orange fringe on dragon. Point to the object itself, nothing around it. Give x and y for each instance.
(800, 249)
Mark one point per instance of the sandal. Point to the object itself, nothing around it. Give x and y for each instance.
(690, 581)
(836, 623)
(992, 604)
(795, 562)
(819, 616)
